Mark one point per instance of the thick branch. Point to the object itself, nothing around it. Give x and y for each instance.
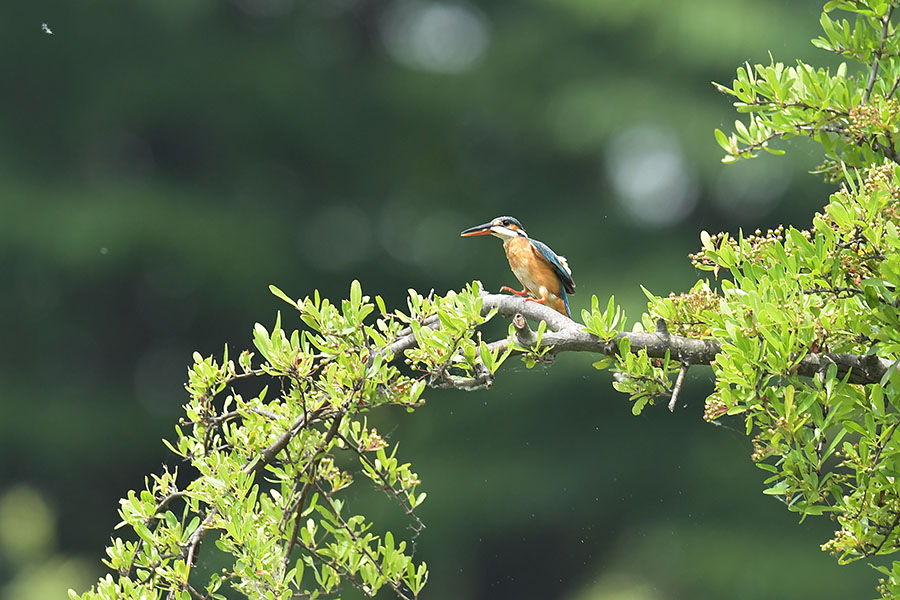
(565, 335)
(571, 336)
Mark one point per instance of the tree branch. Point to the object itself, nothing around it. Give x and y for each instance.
(565, 335)
(297, 509)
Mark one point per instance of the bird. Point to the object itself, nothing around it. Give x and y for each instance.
(545, 275)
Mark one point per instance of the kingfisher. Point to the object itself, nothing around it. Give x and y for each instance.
(544, 274)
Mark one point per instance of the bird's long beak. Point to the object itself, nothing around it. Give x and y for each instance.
(483, 229)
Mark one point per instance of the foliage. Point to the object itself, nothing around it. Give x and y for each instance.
(269, 468)
(853, 117)
(829, 444)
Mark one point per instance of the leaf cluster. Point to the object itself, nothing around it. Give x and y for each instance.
(851, 112)
(828, 443)
(268, 469)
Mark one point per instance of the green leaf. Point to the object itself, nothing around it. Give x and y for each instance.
(777, 490)
(355, 293)
(722, 139)
(279, 294)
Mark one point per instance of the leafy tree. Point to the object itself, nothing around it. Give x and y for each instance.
(800, 328)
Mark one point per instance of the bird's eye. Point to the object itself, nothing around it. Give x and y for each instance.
(505, 222)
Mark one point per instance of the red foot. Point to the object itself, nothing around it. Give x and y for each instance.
(536, 300)
(516, 292)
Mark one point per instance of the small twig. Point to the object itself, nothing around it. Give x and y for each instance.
(255, 465)
(386, 484)
(216, 421)
(333, 430)
(662, 328)
(893, 89)
(873, 72)
(193, 592)
(194, 541)
(365, 548)
(482, 379)
(165, 502)
(678, 381)
(524, 334)
(888, 151)
(887, 438)
(837, 291)
(426, 322)
(265, 413)
(887, 535)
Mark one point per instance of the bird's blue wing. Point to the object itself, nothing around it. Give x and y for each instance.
(558, 264)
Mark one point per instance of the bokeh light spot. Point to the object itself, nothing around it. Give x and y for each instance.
(443, 37)
(650, 176)
(49, 579)
(27, 525)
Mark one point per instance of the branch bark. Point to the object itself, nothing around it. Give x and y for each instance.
(565, 335)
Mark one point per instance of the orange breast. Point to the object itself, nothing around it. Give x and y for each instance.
(530, 268)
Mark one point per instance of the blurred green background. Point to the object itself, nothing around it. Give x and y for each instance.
(161, 163)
